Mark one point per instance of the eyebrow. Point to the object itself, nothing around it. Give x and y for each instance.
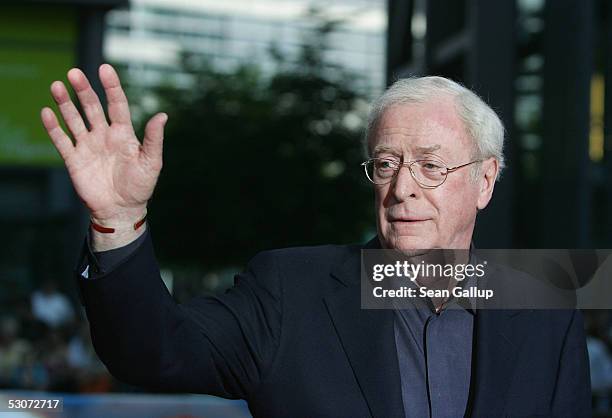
(428, 149)
(421, 150)
(385, 148)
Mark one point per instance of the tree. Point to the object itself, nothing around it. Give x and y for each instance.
(252, 162)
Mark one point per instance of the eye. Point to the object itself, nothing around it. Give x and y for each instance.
(384, 168)
(431, 165)
(386, 164)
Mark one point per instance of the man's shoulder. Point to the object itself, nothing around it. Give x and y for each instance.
(309, 262)
(320, 257)
(307, 270)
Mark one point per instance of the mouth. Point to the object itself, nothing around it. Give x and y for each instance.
(409, 225)
(408, 220)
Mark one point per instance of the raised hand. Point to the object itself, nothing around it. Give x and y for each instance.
(112, 172)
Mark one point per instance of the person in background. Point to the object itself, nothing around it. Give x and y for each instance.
(14, 351)
(600, 359)
(52, 307)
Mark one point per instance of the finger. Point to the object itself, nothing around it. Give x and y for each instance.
(118, 108)
(69, 112)
(154, 137)
(62, 142)
(88, 98)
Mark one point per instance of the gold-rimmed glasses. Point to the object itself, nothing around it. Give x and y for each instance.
(428, 173)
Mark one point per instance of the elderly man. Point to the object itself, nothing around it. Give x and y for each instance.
(290, 336)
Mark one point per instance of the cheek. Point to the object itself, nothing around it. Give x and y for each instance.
(457, 206)
(383, 227)
(379, 199)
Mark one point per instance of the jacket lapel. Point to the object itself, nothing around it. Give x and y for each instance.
(368, 339)
(496, 341)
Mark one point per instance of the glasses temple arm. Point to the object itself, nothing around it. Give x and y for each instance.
(450, 169)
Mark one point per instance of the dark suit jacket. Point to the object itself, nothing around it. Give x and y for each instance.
(291, 339)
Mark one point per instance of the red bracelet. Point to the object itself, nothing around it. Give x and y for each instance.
(105, 230)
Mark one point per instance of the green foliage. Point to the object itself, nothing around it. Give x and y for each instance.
(254, 162)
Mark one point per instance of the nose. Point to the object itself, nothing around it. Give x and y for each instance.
(404, 186)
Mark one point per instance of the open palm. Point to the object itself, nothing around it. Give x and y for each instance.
(112, 172)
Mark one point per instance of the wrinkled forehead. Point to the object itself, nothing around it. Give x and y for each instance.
(421, 128)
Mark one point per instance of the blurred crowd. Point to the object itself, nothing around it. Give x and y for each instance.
(45, 345)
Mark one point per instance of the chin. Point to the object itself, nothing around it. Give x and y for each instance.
(408, 244)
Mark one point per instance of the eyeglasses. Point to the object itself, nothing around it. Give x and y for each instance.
(429, 174)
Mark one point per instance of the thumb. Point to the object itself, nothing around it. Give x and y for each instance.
(154, 137)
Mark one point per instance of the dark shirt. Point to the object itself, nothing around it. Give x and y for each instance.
(434, 351)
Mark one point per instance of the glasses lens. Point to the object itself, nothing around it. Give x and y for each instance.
(430, 173)
(381, 170)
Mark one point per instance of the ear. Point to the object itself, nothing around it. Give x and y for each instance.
(486, 182)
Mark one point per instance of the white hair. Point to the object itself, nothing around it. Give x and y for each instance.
(481, 122)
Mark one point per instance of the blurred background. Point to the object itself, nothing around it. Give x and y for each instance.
(267, 102)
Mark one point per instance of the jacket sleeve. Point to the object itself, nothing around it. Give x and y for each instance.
(101, 262)
(572, 397)
(214, 345)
